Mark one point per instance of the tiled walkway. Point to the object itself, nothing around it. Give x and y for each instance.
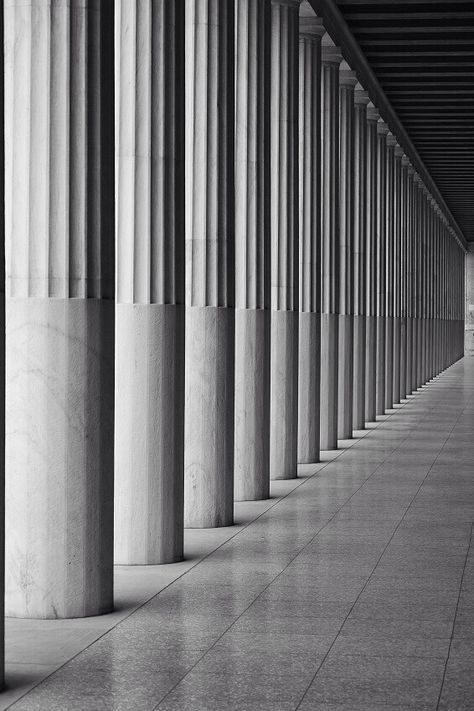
(353, 593)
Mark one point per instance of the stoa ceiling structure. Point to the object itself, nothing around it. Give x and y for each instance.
(422, 56)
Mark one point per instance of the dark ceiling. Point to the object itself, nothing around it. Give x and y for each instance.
(422, 54)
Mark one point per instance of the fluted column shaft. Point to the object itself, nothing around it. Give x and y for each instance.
(382, 131)
(415, 280)
(2, 387)
(209, 291)
(371, 265)
(398, 236)
(59, 207)
(389, 267)
(284, 240)
(347, 82)
(410, 343)
(360, 245)
(149, 392)
(309, 350)
(252, 251)
(404, 276)
(331, 59)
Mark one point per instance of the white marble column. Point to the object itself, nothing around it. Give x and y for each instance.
(361, 243)
(331, 59)
(284, 239)
(252, 251)
(309, 350)
(389, 267)
(398, 236)
(382, 131)
(415, 280)
(409, 280)
(209, 291)
(404, 276)
(419, 229)
(59, 216)
(347, 82)
(373, 117)
(424, 285)
(2, 389)
(149, 390)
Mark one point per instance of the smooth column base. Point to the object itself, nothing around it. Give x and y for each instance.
(284, 395)
(358, 409)
(149, 439)
(345, 376)
(414, 355)
(397, 375)
(309, 373)
(252, 405)
(389, 325)
(370, 368)
(380, 365)
(420, 352)
(329, 380)
(59, 457)
(209, 417)
(409, 356)
(403, 357)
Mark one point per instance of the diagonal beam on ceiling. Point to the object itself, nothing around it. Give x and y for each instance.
(338, 29)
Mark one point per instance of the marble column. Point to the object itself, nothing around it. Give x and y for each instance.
(389, 267)
(284, 239)
(252, 251)
(373, 117)
(309, 350)
(209, 290)
(398, 236)
(331, 59)
(409, 280)
(415, 282)
(59, 228)
(149, 390)
(382, 131)
(360, 242)
(430, 291)
(2, 379)
(404, 276)
(424, 283)
(347, 82)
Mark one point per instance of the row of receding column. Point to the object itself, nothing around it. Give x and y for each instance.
(282, 276)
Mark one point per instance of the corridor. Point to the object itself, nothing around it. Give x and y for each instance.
(353, 592)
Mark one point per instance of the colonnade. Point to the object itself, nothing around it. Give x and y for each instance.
(278, 271)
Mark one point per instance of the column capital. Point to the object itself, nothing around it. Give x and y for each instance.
(411, 170)
(312, 28)
(405, 161)
(346, 76)
(330, 54)
(382, 127)
(361, 96)
(372, 112)
(399, 152)
(391, 140)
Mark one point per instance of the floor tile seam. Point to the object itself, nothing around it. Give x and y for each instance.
(367, 581)
(454, 620)
(288, 564)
